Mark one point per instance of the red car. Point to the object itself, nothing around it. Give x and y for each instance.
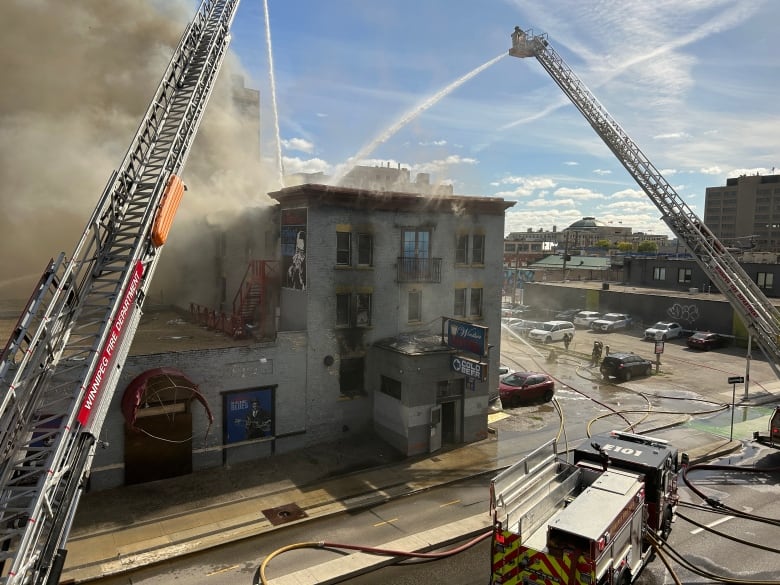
(706, 340)
(521, 387)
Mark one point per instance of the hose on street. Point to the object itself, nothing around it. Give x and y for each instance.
(260, 578)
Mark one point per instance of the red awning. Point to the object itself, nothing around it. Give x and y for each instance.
(160, 386)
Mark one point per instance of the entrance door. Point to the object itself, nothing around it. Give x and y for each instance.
(435, 442)
(161, 447)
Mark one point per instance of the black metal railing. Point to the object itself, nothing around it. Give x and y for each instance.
(412, 269)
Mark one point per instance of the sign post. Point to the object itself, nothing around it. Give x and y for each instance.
(734, 380)
(659, 349)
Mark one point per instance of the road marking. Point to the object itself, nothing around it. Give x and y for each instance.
(449, 503)
(711, 524)
(385, 522)
(226, 569)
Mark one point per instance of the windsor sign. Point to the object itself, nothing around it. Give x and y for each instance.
(466, 336)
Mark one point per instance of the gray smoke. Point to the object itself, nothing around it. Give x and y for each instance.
(77, 78)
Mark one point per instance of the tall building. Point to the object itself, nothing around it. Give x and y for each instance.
(745, 212)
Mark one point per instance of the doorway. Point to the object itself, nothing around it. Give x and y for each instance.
(450, 422)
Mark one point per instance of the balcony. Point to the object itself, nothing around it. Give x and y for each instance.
(412, 269)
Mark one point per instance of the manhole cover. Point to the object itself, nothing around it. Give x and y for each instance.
(282, 514)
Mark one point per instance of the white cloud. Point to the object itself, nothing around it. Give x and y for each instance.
(525, 186)
(299, 144)
(571, 163)
(672, 136)
(579, 193)
(313, 165)
(711, 171)
(434, 143)
(629, 194)
(602, 172)
(443, 164)
(754, 171)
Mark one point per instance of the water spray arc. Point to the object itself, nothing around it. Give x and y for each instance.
(408, 117)
(272, 81)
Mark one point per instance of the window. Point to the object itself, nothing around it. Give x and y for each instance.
(363, 310)
(351, 376)
(684, 275)
(365, 250)
(461, 249)
(342, 310)
(415, 305)
(390, 387)
(659, 273)
(353, 310)
(764, 280)
(459, 310)
(477, 249)
(476, 302)
(343, 249)
(416, 244)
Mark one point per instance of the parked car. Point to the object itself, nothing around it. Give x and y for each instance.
(566, 315)
(706, 340)
(585, 318)
(523, 326)
(611, 322)
(625, 366)
(521, 387)
(550, 331)
(664, 330)
(504, 371)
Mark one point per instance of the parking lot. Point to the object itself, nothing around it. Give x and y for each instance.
(677, 366)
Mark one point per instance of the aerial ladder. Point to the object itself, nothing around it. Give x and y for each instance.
(760, 317)
(60, 367)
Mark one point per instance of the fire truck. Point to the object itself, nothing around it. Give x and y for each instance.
(586, 522)
(772, 436)
(61, 365)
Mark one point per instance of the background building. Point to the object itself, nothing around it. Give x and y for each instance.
(745, 213)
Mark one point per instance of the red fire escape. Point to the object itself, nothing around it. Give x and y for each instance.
(252, 310)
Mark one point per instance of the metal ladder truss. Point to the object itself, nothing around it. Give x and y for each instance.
(760, 317)
(59, 370)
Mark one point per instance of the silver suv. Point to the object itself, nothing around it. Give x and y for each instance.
(550, 331)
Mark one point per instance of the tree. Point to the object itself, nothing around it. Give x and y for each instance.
(606, 244)
(647, 246)
(625, 246)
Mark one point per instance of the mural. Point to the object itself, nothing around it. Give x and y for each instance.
(687, 314)
(517, 276)
(248, 414)
(293, 236)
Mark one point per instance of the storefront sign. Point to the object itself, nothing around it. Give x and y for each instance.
(467, 337)
(468, 367)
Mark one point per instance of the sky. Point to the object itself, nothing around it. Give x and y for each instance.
(425, 84)
(692, 82)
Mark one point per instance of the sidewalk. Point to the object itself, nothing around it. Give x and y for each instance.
(126, 528)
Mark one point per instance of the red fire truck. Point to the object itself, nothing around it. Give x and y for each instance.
(586, 522)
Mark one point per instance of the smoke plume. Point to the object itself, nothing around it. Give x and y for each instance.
(77, 79)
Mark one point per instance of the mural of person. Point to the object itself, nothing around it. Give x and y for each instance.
(296, 273)
(258, 422)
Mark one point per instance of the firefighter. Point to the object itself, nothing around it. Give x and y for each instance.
(595, 356)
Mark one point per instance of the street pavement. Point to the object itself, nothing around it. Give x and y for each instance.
(116, 531)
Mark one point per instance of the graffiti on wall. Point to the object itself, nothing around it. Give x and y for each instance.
(293, 236)
(688, 314)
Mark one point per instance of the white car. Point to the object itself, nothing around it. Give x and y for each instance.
(550, 331)
(611, 322)
(664, 330)
(585, 318)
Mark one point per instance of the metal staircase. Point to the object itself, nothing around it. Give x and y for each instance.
(760, 317)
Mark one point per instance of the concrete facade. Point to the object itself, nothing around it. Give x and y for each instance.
(349, 325)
